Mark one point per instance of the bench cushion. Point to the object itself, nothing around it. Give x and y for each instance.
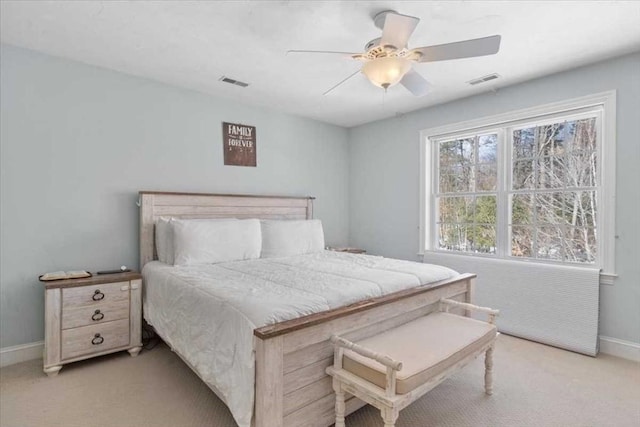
(426, 347)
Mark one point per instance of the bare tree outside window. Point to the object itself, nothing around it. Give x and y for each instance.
(554, 192)
(467, 194)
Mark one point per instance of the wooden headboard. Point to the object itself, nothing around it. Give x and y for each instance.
(154, 205)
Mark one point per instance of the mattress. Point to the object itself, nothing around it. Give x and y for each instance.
(207, 313)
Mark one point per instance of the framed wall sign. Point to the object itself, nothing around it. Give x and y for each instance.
(239, 143)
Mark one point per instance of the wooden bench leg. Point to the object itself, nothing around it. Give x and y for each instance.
(340, 407)
(389, 415)
(488, 371)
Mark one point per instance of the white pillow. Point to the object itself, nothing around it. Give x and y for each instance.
(164, 240)
(209, 242)
(291, 237)
(164, 236)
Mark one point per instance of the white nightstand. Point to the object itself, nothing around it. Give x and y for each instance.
(90, 317)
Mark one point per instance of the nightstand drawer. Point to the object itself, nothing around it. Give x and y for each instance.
(103, 312)
(96, 294)
(95, 338)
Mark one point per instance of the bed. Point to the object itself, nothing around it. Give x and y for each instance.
(282, 347)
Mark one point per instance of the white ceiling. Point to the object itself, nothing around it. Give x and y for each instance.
(193, 43)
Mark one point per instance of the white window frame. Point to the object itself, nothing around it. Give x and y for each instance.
(604, 102)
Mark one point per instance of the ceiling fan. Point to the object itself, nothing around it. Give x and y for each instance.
(388, 60)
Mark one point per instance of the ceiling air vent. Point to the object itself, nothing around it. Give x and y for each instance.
(483, 79)
(233, 82)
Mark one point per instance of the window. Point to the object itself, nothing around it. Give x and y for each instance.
(535, 185)
(554, 190)
(466, 193)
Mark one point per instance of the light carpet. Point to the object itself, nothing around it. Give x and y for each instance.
(534, 385)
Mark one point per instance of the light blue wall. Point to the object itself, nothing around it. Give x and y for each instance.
(385, 169)
(78, 143)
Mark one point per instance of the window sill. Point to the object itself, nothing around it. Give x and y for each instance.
(607, 278)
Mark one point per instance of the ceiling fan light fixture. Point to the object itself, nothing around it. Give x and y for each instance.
(386, 72)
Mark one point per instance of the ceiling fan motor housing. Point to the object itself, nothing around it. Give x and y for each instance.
(373, 43)
(375, 50)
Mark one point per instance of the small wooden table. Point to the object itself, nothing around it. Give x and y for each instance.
(90, 317)
(348, 250)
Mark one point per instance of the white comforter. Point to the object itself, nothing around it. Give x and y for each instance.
(207, 313)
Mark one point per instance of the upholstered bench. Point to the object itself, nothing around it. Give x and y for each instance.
(392, 369)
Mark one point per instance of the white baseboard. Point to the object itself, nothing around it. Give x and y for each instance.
(21, 353)
(621, 348)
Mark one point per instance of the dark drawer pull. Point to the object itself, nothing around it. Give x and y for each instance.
(97, 316)
(97, 339)
(97, 295)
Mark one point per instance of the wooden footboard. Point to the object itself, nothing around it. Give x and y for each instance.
(292, 388)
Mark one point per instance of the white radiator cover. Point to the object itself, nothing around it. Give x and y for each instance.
(551, 304)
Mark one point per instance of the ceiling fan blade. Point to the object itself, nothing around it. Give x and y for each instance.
(332, 88)
(415, 83)
(464, 49)
(397, 29)
(323, 51)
